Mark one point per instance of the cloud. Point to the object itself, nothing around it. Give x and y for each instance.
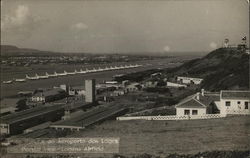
(20, 22)
(166, 48)
(213, 45)
(22, 15)
(79, 26)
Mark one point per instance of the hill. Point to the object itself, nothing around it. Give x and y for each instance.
(10, 50)
(223, 68)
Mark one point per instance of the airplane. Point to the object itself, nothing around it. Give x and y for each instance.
(87, 70)
(52, 75)
(32, 78)
(100, 69)
(62, 74)
(20, 80)
(122, 67)
(7, 82)
(70, 73)
(82, 72)
(43, 77)
(111, 68)
(106, 68)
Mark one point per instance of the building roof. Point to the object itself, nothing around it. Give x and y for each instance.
(8, 109)
(7, 102)
(40, 126)
(26, 114)
(203, 101)
(181, 77)
(88, 118)
(49, 92)
(191, 103)
(229, 94)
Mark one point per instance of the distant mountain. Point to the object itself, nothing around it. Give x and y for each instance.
(10, 50)
(224, 68)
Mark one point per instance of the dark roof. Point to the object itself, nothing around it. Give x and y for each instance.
(26, 114)
(90, 117)
(191, 103)
(208, 99)
(50, 92)
(204, 101)
(235, 94)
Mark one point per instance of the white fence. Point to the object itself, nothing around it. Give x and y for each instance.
(237, 112)
(172, 117)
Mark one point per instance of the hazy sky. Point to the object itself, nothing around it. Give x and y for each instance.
(124, 25)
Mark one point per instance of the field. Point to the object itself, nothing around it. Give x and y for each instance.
(8, 73)
(161, 138)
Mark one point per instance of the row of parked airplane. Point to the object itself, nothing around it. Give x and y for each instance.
(65, 73)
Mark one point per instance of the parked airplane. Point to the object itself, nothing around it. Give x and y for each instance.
(81, 71)
(43, 77)
(20, 80)
(51, 75)
(32, 78)
(8, 82)
(69, 73)
(62, 74)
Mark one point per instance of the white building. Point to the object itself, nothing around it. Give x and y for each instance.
(77, 90)
(151, 84)
(171, 84)
(197, 104)
(226, 102)
(133, 87)
(189, 80)
(90, 91)
(234, 102)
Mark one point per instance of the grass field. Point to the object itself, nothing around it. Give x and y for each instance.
(160, 138)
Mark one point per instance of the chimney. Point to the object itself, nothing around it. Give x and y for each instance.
(198, 95)
(202, 92)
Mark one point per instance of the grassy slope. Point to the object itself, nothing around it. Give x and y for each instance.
(221, 69)
(164, 137)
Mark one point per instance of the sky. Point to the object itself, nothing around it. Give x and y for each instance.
(124, 26)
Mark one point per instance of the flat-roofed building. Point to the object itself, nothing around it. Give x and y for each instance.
(234, 102)
(15, 123)
(48, 96)
(189, 80)
(177, 85)
(81, 120)
(76, 90)
(38, 127)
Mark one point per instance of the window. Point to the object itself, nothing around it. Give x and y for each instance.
(186, 112)
(238, 102)
(194, 112)
(246, 105)
(228, 103)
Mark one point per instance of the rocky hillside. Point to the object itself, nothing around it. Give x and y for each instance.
(221, 69)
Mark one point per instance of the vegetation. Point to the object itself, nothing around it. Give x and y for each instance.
(208, 154)
(21, 105)
(220, 69)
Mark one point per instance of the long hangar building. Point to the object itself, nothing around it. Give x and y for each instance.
(16, 123)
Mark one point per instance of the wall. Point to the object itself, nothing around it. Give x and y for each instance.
(4, 128)
(234, 108)
(170, 84)
(171, 117)
(180, 111)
